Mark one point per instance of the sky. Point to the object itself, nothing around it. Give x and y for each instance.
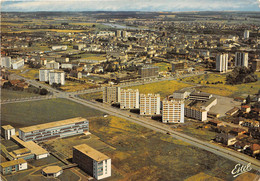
(130, 5)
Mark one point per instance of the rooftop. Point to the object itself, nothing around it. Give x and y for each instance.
(51, 169)
(21, 151)
(33, 147)
(52, 124)
(91, 152)
(12, 163)
(7, 127)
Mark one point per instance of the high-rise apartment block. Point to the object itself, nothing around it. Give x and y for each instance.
(177, 66)
(222, 62)
(148, 71)
(57, 77)
(246, 34)
(241, 59)
(111, 94)
(92, 161)
(149, 104)
(129, 99)
(173, 111)
(256, 64)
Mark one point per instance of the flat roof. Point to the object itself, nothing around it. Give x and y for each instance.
(33, 147)
(200, 94)
(7, 127)
(52, 124)
(12, 163)
(91, 152)
(21, 151)
(51, 169)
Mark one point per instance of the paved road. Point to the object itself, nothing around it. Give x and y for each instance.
(160, 127)
(26, 99)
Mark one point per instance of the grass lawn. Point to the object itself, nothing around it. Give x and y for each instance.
(164, 88)
(223, 89)
(10, 94)
(91, 96)
(71, 86)
(31, 74)
(142, 154)
(37, 112)
(163, 66)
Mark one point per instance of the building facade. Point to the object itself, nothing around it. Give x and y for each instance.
(256, 65)
(149, 104)
(7, 131)
(195, 113)
(6, 62)
(17, 64)
(13, 166)
(57, 77)
(148, 71)
(173, 111)
(53, 65)
(177, 66)
(111, 94)
(222, 62)
(246, 34)
(44, 74)
(129, 99)
(241, 59)
(92, 161)
(57, 129)
(200, 96)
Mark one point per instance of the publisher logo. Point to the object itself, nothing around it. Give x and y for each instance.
(240, 169)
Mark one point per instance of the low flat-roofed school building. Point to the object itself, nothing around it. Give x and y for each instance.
(57, 129)
(95, 163)
(13, 166)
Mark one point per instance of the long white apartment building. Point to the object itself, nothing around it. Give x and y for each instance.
(52, 76)
(57, 77)
(129, 99)
(8, 62)
(241, 59)
(149, 104)
(44, 74)
(173, 111)
(222, 62)
(111, 94)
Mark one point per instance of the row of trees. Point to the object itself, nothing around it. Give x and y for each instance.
(241, 75)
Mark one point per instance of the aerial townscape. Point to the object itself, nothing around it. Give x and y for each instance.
(129, 95)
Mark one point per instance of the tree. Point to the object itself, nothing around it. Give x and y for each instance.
(248, 99)
(43, 91)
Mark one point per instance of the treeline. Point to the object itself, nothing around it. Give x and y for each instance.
(241, 75)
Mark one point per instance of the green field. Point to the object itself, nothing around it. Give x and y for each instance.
(10, 94)
(91, 96)
(164, 88)
(137, 158)
(36, 112)
(223, 89)
(163, 66)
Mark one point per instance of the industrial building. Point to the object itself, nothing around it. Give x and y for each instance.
(200, 96)
(57, 129)
(53, 65)
(95, 163)
(173, 111)
(129, 99)
(111, 94)
(149, 104)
